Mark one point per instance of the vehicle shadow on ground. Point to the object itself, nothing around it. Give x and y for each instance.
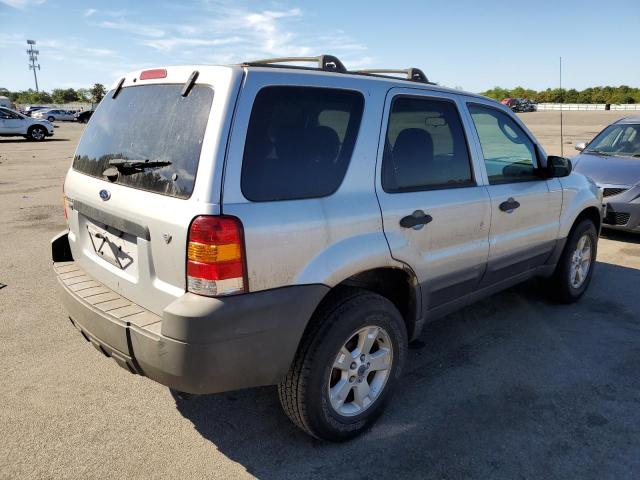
(513, 386)
(24, 140)
(620, 236)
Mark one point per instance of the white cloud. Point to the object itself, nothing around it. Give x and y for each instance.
(21, 4)
(133, 28)
(70, 49)
(168, 44)
(220, 30)
(11, 39)
(90, 12)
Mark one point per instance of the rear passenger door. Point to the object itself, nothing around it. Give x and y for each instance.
(525, 207)
(436, 213)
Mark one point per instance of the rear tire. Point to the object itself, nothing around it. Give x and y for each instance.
(51, 119)
(575, 267)
(346, 367)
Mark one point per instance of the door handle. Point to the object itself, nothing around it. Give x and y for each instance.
(510, 205)
(416, 220)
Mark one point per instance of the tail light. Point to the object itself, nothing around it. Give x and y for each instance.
(215, 256)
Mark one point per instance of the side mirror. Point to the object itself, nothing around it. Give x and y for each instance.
(580, 146)
(558, 167)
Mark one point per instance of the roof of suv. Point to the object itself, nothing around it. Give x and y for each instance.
(325, 65)
(330, 65)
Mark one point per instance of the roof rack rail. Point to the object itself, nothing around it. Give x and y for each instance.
(325, 62)
(413, 74)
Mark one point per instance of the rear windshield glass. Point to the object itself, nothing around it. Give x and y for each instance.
(299, 142)
(151, 122)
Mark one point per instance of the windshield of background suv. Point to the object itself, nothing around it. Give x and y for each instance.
(618, 139)
(154, 123)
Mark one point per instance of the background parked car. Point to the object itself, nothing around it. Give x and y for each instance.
(519, 104)
(31, 109)
(526, 105)
(612, 160)
(509, 102)
(54, 115)
(83, 117)
(13, 123)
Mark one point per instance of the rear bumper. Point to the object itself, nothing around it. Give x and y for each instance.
(199, 344)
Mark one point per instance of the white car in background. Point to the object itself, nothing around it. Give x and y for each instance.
(54, 114)
(13, 124)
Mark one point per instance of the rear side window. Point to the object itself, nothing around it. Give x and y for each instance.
(299, 142)
(425, 147)
(151, 122)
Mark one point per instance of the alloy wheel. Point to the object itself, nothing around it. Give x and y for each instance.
(360, 371)
(580, 262)
(37, 133)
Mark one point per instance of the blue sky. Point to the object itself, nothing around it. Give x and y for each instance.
(459, 43)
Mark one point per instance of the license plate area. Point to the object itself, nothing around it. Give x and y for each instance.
(118, 248)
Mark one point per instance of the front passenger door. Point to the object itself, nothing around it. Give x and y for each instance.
(525, 208)
(435, 211)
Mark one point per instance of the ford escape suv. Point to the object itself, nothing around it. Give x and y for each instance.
(269, 224)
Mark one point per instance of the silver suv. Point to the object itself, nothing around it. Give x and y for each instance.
(265, 224)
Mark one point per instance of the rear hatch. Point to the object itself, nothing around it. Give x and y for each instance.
(149, 161)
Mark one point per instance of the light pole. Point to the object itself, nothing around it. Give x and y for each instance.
(33, 58)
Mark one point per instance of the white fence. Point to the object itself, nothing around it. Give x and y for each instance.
(587, 106)
(626, 106)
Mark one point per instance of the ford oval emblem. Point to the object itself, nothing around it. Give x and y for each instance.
(105, 195)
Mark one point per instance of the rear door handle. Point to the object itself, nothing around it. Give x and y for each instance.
(510, 205)
(416, 220)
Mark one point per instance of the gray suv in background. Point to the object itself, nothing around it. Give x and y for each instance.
(266, 224)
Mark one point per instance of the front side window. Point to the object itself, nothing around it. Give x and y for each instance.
(617, 140)
(7, 114)
(299, 142)
(509, 154)
(425, 147)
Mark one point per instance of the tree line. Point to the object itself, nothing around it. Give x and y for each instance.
(621, 94)
(57, 95)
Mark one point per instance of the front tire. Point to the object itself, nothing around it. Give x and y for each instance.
(346, 367)
(37, 133)
(51, 119)
(575, 267)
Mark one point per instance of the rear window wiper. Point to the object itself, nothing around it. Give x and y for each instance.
(126, 164)
(129, 167)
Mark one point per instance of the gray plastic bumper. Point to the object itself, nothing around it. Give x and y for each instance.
(199, 344)
(623, 216)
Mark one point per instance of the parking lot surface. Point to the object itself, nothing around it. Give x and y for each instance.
(512, 387)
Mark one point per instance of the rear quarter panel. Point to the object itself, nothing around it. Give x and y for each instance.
(316, 240)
